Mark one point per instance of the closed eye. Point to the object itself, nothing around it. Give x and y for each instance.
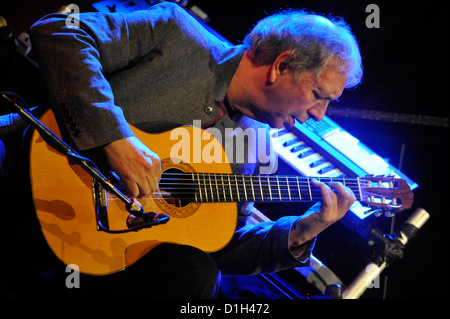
(319, 97)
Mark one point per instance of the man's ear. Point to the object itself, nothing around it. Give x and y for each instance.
(279, 66)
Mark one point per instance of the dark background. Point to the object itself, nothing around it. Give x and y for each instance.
(406, 72)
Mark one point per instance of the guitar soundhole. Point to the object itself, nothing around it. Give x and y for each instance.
(177, 187)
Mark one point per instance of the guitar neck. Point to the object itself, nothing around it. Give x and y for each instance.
(211, 187)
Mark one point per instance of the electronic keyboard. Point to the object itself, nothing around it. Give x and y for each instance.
(325, 149)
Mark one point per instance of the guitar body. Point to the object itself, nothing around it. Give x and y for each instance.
(196, 176)
(64, 203)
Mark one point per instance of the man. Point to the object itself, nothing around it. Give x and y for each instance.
(159, 69)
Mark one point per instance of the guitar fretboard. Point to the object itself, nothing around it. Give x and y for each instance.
(211, 187)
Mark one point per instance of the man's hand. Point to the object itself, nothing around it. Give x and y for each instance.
(336, 201)
(138, 167)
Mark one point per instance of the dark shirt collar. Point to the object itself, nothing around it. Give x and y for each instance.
(227, 65)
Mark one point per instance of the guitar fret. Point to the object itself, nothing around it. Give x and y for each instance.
(251, 185)
(199, 188)
(359, 187)
(299, 192)
(270, 189)
(237, 188)
(245, 188)
(196, 193)
(229, 185)
(223, 189)
(279, 190)
(289, 190)
(309, 187)
(210, 187)
(260, 188)
(204, 185)
(217, 188)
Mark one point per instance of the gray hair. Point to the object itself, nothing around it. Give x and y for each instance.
(314, 41)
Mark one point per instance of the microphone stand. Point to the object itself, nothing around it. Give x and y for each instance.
(394, 249)
(132, 205)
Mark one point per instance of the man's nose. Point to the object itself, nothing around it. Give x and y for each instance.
(317, 112)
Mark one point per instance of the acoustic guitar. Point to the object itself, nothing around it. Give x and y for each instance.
(82, 222)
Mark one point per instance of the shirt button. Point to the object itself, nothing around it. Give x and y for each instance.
(208, 109)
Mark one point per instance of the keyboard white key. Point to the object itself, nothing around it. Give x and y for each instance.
(303, 158)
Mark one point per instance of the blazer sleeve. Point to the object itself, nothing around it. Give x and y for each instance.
(75, 60)
(262, 247)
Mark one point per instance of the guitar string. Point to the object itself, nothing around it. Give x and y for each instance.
(221, 188)
(263, 179)
(273, 188)
(189, 174)
(274, 178)
(256, 182)
(218, 194)
(224, 200)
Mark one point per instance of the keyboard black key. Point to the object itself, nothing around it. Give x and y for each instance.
(326, 169)
(290, 142)
(318, 162)
(298, 148)
(306, 153)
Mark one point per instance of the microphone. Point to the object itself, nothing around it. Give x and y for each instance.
(411, 226)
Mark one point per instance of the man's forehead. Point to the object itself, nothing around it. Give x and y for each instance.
(332, 81)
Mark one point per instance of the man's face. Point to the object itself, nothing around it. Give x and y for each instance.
(288, 98)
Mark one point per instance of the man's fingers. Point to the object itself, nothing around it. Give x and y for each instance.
(325, 191)
(337, 193)
(152, 182)
(345, 195)
(138, 167)
(340, 189)
(132, 188)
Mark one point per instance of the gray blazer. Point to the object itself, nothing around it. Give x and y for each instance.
(156, 69)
